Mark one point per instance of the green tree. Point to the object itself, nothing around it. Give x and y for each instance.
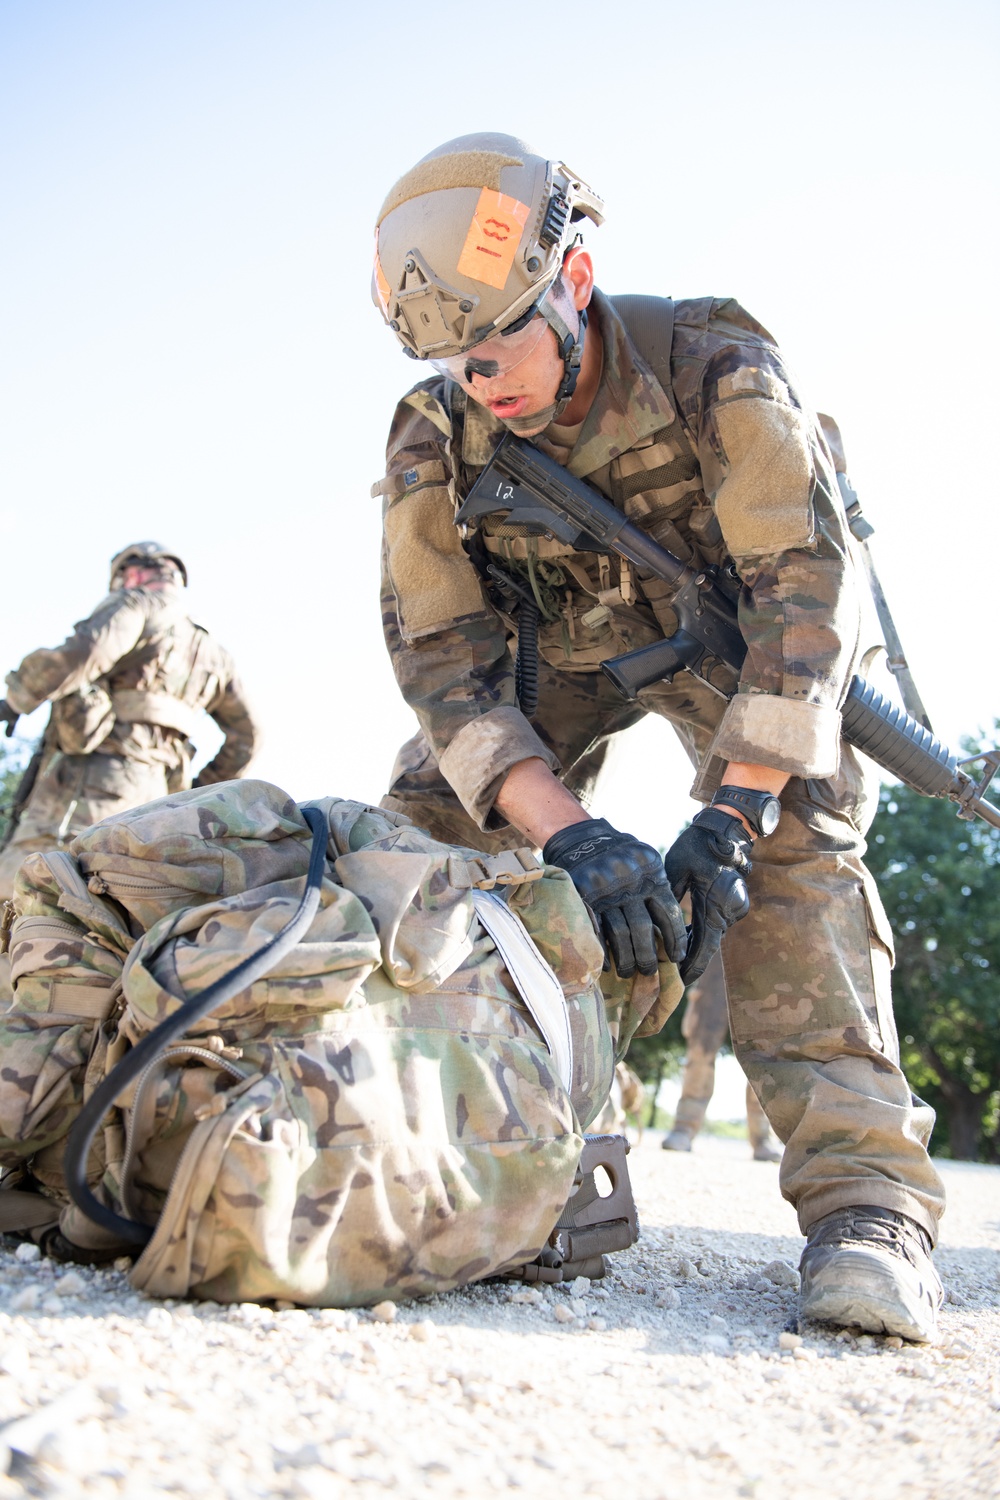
(658, 1057)
(940, 880)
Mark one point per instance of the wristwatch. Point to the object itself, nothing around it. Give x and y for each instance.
(761, 809)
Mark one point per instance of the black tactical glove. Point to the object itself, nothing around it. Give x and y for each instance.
(623, 883)
(8, 715)
(709, 859)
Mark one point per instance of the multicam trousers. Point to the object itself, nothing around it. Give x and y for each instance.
(71, 793)
(807, 971)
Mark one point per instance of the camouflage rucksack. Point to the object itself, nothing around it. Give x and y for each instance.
(383, 1115)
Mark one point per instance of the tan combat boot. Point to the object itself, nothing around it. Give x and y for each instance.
(870, 1268)
(679, 1139)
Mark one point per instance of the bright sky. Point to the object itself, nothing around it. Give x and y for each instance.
(188, 350)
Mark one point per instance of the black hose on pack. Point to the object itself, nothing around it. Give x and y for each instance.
(86, 1125)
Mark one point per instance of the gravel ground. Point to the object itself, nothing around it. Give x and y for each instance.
(680, 1377)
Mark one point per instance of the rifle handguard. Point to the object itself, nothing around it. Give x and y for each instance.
(895, 741)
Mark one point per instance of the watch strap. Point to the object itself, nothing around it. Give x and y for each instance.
(751, 803)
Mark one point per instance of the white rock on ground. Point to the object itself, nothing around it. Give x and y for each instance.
(591, 1389)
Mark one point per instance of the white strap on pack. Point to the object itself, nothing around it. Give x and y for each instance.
(536, 983)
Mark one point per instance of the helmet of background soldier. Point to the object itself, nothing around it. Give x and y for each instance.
(470, 243)
(145, 555)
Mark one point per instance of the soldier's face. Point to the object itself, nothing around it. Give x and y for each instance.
(531, 385)
(135, 577)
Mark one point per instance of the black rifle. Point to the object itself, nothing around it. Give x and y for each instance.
(539, 494)
(25, 787)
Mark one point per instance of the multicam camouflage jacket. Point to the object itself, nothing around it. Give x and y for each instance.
(132, 681)
(387, 1113)
(726, 466)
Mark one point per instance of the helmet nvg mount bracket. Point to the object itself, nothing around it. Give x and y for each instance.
(470, 243)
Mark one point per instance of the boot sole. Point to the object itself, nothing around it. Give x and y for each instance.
(855, 1289)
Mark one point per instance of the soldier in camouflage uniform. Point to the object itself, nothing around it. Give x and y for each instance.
(704, 1027)
(478, 271)
(127, 688)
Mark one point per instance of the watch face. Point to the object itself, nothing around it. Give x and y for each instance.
(769, 815)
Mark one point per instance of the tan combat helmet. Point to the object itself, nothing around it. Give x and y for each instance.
(470, 241)
(144, 555)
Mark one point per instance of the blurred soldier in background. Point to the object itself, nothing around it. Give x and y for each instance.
(627, 1097)
(705, 1028)
(127, 689)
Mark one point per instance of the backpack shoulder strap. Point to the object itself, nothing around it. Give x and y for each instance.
(649, 323)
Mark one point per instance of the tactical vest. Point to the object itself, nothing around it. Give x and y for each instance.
(594, 607)
(169, 677)
(173, 672)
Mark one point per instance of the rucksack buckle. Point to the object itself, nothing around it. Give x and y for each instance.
(595, 1222)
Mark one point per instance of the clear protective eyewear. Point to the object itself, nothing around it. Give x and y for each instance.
(497, 356)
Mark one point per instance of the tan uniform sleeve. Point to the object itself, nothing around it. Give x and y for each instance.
(96, 644)
(232, 713)
(777, 501)
(447, 645)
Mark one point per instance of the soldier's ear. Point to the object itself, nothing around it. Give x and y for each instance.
(578, 275)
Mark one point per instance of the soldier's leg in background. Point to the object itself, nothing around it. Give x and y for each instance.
(611, 1120)
(704, 1029)
(73, 792)
(30, 837)
(765, 1144)
(578, 713)
(810, 1012)
(52, 801)
(51, 805)
(113, 784)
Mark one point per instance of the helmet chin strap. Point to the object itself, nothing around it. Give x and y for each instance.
(571, 352)
(570, 348)
(535, 421)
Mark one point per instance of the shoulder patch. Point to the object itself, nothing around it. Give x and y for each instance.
(764, 504)
(413, 477)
